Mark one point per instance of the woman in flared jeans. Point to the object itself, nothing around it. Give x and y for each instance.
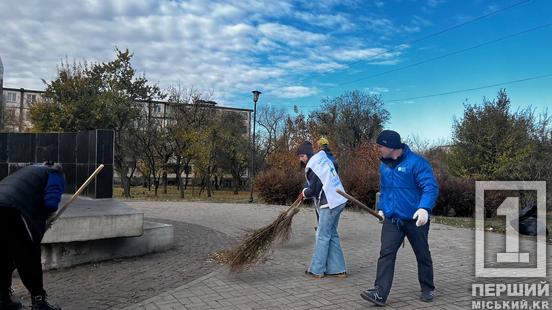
(328, 257)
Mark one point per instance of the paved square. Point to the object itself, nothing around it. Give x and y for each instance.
(281, 284)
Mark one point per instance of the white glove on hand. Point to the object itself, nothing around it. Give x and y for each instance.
(381, 214)
(422, 216)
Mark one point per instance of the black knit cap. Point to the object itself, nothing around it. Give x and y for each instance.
(390, 139)
(305, 148)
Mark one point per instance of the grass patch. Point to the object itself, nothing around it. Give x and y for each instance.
(496, 224)
(191, 194)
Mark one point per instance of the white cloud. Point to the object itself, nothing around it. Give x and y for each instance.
(290, 35)
(294, 92)
(226, 46)
(380, 25)
(367, 53)
(335, 22)
(389, 28)
(490, 9)
(379, 3)
(312, 64)
(434, 3)
(377, 90)
(380, 56)
(420, 21)
(329, 5)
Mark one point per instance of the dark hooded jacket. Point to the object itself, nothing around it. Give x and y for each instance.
(35, 191)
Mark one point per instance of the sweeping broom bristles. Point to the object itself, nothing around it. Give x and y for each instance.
(257, 242)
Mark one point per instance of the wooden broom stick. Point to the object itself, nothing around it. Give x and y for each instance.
(52, 219)
(360, 204)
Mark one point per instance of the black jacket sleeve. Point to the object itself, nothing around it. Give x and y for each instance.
(314, 185)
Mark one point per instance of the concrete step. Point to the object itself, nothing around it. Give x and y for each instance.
(91, 219)
(157, 237)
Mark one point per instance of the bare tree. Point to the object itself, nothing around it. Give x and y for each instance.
(272, 121)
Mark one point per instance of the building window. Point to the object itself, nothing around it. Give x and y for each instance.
(31, 98)
(11, 97)
(10, 114)
(157, 108)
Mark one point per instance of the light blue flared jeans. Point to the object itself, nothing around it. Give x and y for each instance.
(328, 257)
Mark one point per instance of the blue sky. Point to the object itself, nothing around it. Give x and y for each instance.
(299, 52)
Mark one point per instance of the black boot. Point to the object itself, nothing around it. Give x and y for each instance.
(40, 303)
(6, 303)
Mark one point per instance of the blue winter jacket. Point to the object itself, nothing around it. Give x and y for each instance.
(406, 185)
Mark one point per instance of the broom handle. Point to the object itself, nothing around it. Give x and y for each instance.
(75, 195)
(360, 204)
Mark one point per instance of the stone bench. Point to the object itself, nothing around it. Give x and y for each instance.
(93, 230)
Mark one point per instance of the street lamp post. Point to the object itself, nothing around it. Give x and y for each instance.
(256, 95)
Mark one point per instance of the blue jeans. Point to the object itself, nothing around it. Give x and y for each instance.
(328, 257)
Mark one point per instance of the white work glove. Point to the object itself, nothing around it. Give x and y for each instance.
(381, 214)
(422, 216)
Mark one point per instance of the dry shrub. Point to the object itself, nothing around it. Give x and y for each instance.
(455, 194)
(279, 186)
(359, 173)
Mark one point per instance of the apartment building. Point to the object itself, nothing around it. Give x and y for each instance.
(17, 102)
(15, 108)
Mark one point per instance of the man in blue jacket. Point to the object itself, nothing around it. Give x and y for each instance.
(408, 193)
(27, 198)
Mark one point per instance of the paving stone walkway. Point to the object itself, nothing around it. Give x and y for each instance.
(183, 278)
(118, 283)
(281, 284)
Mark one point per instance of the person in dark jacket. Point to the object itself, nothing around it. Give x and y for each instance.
(322, 182)
(408, 193)
(27, 198)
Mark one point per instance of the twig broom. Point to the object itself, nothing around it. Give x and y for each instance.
(257, 242)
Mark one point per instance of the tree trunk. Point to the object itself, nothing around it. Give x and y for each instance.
(122, 169)
(237, 179)
(176, 171)
(216, 182)
(236, 185)
(157, 182)
(165, 180)
(125, 183)
(202, 185)
(186, 181)
(209, 188)
(209, 183)
(180, 187)
(187, 171)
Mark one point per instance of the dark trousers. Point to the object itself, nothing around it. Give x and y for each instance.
(17, 250)
(392, 236)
